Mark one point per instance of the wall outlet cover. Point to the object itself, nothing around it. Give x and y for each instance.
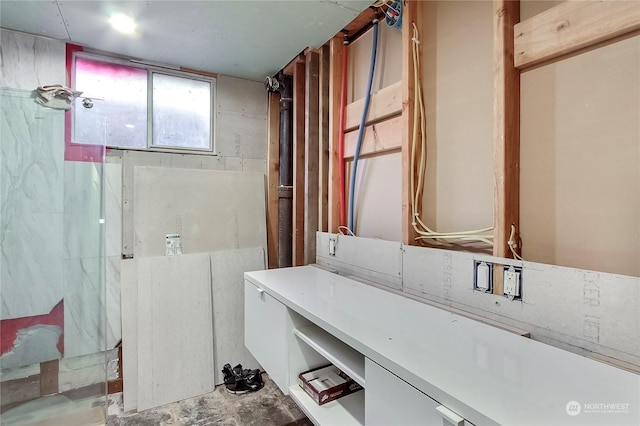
(512, 282)
(483, 276)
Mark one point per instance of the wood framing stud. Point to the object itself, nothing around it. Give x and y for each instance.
(49, 377)
(323, 148)
(298, 162)
(311, 154)
(289, 68)
(337, 53)
(506, 115)
(411, 15)
(273, 175)
(571, 26)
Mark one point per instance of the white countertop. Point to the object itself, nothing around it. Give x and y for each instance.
(483, 373)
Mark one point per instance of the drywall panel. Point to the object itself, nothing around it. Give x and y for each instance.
(175, 333)
(376, 260)
(378, 199)
(227, 286)
(388, 61)
(254, 165)
(529, 8)
(457, 77)
(241, 135)
(211, 210)
(131, 159)
(239, 95)
(129, 307)
(580, 160)
(584, 309)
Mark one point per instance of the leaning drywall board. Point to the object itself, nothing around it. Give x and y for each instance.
(129, 308)
(227, 284)
(211, 210)
(175, 336)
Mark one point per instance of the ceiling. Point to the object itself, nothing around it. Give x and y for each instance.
(243, 38)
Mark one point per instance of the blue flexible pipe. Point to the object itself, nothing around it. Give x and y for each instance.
(363, 120)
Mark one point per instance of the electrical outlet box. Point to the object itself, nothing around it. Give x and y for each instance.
(512, 282)
(483, 276)
(332, 246)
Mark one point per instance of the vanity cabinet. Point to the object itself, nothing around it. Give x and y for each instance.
(418, 364)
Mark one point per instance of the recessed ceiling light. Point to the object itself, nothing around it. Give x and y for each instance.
(123, 23)
(129, 126)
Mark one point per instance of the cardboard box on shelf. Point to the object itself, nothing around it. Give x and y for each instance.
(326, 384)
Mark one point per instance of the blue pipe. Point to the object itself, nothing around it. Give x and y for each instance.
(363, 120)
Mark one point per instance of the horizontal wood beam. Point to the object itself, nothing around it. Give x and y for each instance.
(571, 26)
(360, 21)
(385, 103)
(385, 136)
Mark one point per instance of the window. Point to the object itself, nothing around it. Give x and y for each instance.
(139, 107)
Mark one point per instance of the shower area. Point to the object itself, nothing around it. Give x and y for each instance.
(57, 347)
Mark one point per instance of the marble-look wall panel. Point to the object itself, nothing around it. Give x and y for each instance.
(27, 62)
(84, 297)
(31, 202)
(82, 210)
(114, 322)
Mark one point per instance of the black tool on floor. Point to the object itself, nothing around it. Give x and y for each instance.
(238, 380)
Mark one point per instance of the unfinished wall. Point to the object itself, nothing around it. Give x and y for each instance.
(377, 211)
(457, 79)
(388, 61)
(580, 158)
(457, 75)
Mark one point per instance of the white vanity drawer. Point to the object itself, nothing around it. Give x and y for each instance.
(266, 333)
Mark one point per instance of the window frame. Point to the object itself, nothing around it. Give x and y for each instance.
(150, 70)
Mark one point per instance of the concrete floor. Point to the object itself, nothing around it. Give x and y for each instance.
(266, 407)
